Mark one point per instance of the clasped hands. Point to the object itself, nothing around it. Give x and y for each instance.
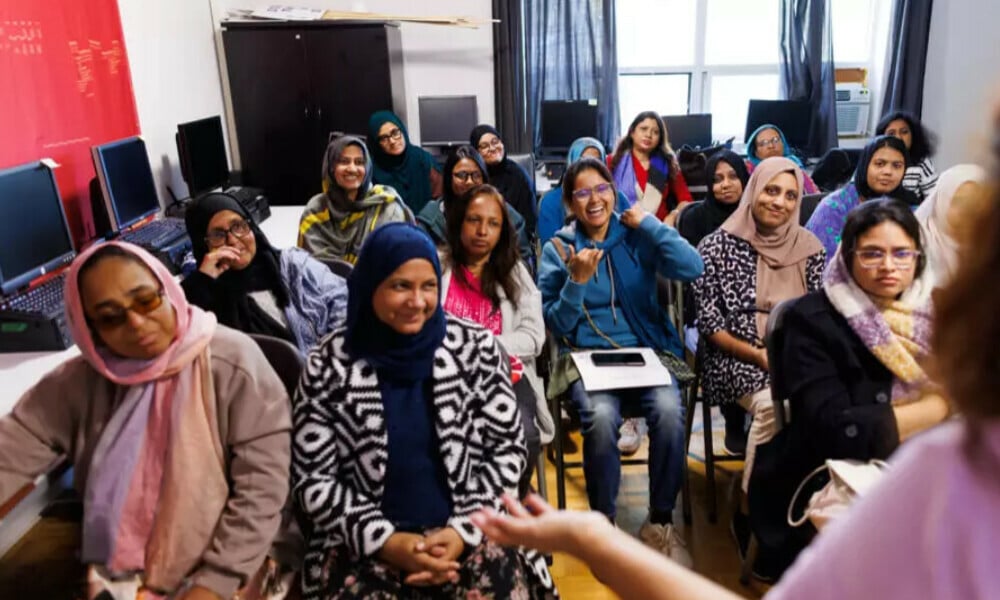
(428, 560)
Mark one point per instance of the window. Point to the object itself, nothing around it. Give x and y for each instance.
(698, 56)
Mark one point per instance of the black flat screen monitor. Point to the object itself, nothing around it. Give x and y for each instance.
(34, 234)
(791, 116)
(563, 121)
(446, 120)
(201, 148)
(126, 181)
(689, 130)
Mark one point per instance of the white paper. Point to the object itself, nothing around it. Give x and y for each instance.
(595, 379)
(289, 13)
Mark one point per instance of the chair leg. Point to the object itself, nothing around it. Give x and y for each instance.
(690, 396)
(543, 487)
(706, 411)
(747, 567)
(560, 460)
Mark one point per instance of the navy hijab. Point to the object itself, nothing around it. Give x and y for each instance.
(395, 355)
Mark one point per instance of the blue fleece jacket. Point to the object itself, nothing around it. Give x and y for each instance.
(627, 273)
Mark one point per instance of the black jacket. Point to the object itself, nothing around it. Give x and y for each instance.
(839, 396)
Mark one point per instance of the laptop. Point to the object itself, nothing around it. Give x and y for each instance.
(131, 204)
(35, 250)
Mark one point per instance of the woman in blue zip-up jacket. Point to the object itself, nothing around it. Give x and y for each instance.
(598, 282)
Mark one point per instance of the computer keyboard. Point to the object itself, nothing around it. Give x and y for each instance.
(155, 234)
(46, 299)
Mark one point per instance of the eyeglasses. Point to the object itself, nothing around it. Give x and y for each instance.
(494, 143)
(142, 305)
(771, 142)
(395, 134)
(218, 237)
(902, 258)
(475, 176)
(584, 194)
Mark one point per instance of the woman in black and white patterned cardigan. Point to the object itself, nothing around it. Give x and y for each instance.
(405, 423)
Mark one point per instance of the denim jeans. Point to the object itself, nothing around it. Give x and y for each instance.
(601, 416)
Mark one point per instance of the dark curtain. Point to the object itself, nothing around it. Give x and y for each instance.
(509, 82)
(911, 28)
(567, 52)
(807, 70)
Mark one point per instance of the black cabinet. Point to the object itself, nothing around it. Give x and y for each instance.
(291, 84)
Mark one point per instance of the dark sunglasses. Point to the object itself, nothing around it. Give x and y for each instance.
(143, 304)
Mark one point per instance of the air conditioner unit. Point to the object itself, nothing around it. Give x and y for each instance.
(853, 104)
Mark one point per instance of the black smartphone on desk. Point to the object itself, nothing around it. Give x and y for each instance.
(617, 359)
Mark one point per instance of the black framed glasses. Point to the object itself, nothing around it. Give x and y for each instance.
(393, 135)
(142, 304)
(216, 238)
(474, 176)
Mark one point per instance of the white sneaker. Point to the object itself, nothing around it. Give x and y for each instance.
(629, 437)
(666, 540)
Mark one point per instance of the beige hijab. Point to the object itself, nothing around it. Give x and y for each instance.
(781, 255)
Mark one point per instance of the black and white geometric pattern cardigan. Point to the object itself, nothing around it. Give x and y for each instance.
(339, 450)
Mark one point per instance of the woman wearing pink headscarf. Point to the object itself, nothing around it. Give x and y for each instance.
(177, 429)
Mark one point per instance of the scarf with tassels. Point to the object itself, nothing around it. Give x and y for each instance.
(157, 481)
(897, 332)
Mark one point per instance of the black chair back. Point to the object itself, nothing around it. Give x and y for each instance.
(284, 358)
(809, 204)
(338, 266)
(774, 341)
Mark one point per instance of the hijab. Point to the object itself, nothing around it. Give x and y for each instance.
(702, 218)
(157, 479)
(508, 177)
(232, 303)
(397, 356)
(781, 255)
(407, 173)
(941, 248)
(579, 145)
(861, 172)
(752, 146)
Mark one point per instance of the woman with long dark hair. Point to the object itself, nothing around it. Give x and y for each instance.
(920, 177)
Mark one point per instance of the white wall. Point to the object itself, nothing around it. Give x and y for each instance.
(962, 79)
(437, 60)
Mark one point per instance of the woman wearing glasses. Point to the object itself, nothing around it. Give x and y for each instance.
(408, 169)
(463, 171)
(852, 364)
(336, 222)
(768, 141)
(177, 429)
(759, 257)
(598, 282)
(516, 184)
(251, 286)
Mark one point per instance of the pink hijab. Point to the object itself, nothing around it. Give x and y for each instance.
(782, 254)
(157, 481)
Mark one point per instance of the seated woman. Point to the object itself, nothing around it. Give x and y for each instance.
(767, 141)
(336, 222)
(177, 429)
(879, 173)
(515, 184)
(463, 170)
(728, 176)
(408, 169)
(851, 363)
(958, 193)
(551, 210)
(254, 288)
(485, 281)
(758, 258)
(920, 177)
(406, 424)
(646, 170)
(598, 282)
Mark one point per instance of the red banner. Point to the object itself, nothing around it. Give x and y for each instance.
(64, 87)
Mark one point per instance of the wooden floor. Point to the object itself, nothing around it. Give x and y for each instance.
(45, 563)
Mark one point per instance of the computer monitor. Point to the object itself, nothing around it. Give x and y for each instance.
(793, 117)
(563, 121)
(446, 120)
(689, 130)
(126, 181)
(34, 234)
(201, 148)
